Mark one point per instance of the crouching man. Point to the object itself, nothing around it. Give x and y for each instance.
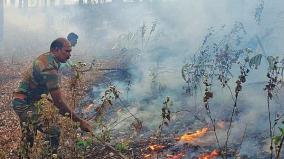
(42, 78)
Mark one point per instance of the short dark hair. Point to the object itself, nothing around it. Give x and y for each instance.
(57, 44)
(72, 36)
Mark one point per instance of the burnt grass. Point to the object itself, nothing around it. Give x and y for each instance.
(138, 145)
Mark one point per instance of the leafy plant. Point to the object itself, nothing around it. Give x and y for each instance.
(214, 57)
(241, 80)
(166, 113)
(122, 147)
(83, 145)
(278, 142)
(207, 96)
(273, 80)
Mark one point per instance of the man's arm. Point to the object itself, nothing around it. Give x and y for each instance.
(63, 108)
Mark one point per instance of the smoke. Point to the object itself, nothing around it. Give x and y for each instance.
(157, 56)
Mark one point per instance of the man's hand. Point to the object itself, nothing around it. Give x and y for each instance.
(85, 126)
(63, 108)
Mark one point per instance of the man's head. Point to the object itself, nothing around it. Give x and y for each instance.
(61, 48)
(72, 37)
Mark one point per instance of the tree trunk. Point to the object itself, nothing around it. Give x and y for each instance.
(52, 2)
(117, 1)
(1, 23)
(13, 3)
(81, 2)
(25, 3)
(62, 2)
(36, 3)
(45, 3)
(20, 4)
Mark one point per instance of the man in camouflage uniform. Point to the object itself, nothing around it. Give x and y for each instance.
(42, 78)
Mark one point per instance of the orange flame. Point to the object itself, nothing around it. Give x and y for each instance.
(147, 156)
(156, 147)
(191, 137)
(210, 155)
(178, 156)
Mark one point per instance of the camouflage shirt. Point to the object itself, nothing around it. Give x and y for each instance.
(41, 78)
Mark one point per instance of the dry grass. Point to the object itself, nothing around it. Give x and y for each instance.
(9, 123)
(10, 130)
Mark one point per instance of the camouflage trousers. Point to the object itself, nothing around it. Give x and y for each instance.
(30, 125)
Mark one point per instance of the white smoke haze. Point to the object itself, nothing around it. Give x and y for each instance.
(181, 26)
